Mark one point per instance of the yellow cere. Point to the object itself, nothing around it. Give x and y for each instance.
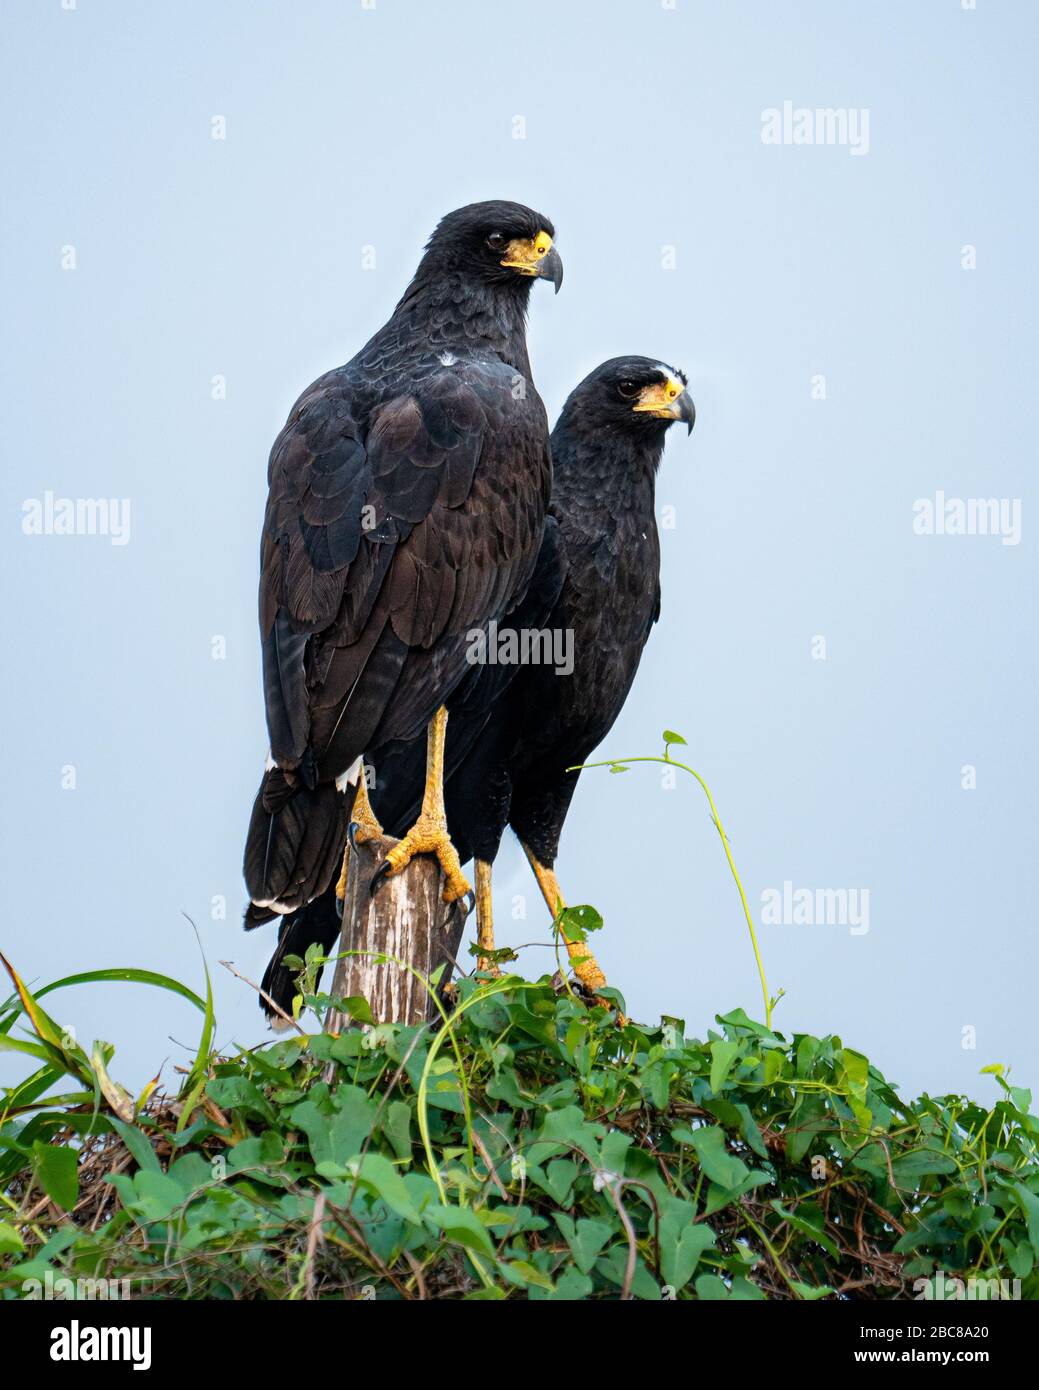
(657, 399)
(524, 255)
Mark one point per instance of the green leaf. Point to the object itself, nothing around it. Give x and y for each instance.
(58, 1173)
(585, 1239)
(720, 1166)
(139, 1145)
(719, 1196)
(239, 1093)
(1022, 1098)
(773, 1066)
(525, 1275)
(723, 1054)
(30, 1049)
(811, 1292)
(200, 1066)
(126, 975)
(1021, 1258)
(855, 1072)
(63, 1049)
(461, 1225)
(339, 1137)
(571, 1287)
(156, 1196)
(563, 1130)
(809, 1121)
(613, 1264)
(356, 1006)
(681, 1242)
(738, 1018)
(576, 922)
(11, 1242)
(380, 1176)
(809, 1220)
(1029, 1204)
(911, 1167)
(614, 1151)
(750, 1131)
(396, 1125)
(557, 1179)
(191, 1172)
(671, 737)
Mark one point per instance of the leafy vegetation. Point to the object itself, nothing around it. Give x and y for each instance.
(528, 1146)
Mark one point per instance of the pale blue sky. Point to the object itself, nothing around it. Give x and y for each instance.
(349, 127)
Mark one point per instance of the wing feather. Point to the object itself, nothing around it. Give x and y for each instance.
(394, 526)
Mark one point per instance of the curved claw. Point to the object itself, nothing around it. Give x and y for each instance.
(467, 902)
(380, 876)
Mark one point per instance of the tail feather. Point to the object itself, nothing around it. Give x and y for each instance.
(295, 841)
(317, 922)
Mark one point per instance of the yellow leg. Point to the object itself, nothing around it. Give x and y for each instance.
(429, 833)
(586, 968)
(367, 828)
(484, 917)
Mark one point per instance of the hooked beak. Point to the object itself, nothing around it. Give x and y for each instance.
(686, 411)
(667, 400)
(550, 267)
(537, 258)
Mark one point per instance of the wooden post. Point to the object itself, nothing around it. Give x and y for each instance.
(407, 919)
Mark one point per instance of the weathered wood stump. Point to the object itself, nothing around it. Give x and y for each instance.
(408, 920)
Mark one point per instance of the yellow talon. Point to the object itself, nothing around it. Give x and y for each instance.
(429, 834)
(586, 967)
(367, 828)
(484, 918)
(363, 817)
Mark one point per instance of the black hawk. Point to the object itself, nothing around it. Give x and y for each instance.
(406, 507)
(514, 731)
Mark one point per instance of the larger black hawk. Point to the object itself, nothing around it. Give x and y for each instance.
(406, 508)
(514, 731)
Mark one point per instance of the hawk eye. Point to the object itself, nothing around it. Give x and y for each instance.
(496, 241)
(628, 389)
